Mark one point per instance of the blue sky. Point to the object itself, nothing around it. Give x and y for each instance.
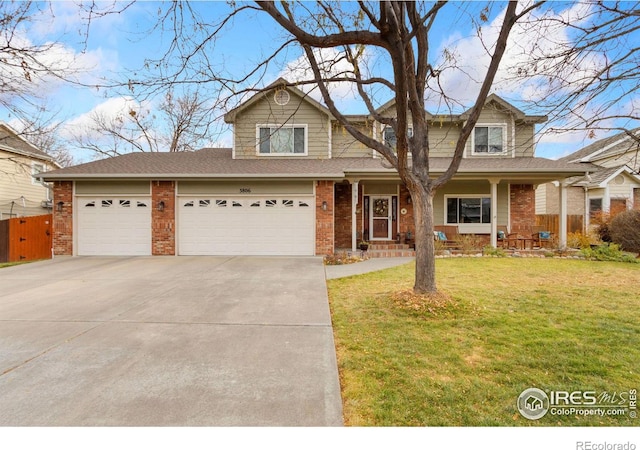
(120, 42)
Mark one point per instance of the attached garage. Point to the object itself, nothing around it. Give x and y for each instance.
(257, 223)
(118, 223)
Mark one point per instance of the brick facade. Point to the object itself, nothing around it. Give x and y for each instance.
(523, 207)
(163, 223)
(342, 217)
(407, 224)
(63, 219)
(324, 219)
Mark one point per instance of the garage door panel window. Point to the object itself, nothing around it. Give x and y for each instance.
(107, 203)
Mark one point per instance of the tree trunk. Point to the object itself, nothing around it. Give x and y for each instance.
(425, 281)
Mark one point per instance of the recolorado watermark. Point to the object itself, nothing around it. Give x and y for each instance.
(588, 445)
(534, 403)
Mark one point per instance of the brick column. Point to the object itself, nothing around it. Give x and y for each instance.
(407, 222)
(523, 207)
(163, 223)
(63, 218)
(324, 219)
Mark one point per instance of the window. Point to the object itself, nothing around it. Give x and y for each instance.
(282, 140)
(468, 210)
(125, 203)
(595, 207)
(389, 135)
(489, 140)
(35, 170)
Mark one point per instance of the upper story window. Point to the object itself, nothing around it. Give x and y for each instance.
(282, 140)
(36, 169)
(389, 135)
(489, 140)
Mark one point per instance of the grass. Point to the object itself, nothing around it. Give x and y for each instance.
(511, 324)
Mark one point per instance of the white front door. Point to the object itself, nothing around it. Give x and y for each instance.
(380, 217)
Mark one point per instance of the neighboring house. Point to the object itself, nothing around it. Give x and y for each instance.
(296, 183)
(22, 193)
(612, 181)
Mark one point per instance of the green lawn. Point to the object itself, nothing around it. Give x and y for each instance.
(559, 325)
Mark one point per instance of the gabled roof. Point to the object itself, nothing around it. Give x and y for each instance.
(230, 117)
(12, 142)
(602, 177)
(617, 144)
(492, 98)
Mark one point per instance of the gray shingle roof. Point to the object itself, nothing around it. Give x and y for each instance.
(618, 143)
(218, 163)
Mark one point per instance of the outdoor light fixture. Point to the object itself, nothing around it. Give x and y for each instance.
(59, 206)
(160, 205)
(408, 200)
(324, 206)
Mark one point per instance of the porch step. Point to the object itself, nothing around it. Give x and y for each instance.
(390, 250)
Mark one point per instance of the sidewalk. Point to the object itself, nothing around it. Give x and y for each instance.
(370, 265)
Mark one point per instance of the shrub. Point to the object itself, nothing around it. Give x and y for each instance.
(340, 258)
(493, 251)
(602, 221)
(469, 243)
(608, 252)
(625, 230)
(578, 240)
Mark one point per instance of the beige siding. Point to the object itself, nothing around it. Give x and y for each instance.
(17, 183)
(541, 198)
(346, 146)
(551, 200)
(113, 187)
(297, 112)
(244, 187)
(631, 159)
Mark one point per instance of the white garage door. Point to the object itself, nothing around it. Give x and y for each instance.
(114, 226)
(269, 225)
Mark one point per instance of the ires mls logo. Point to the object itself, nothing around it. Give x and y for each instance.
(534, 403)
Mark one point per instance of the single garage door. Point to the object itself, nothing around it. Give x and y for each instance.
(114, 226)
(266, 225)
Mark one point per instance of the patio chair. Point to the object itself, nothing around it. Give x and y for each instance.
(542, 239)
(447, 234)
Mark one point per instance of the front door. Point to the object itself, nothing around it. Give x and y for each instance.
(380, 217)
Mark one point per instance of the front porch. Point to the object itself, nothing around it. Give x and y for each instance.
(380, 212)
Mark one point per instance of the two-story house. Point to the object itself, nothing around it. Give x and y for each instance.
(611, 184)
(22, 193)
(296, 183)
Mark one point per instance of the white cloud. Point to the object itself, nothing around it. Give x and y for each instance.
(111, 109)
(465, 60)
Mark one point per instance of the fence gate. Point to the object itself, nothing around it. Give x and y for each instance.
(26, 238)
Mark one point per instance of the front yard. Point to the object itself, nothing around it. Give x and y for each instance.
(558, 325)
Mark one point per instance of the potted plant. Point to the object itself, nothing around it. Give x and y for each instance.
(363, 245)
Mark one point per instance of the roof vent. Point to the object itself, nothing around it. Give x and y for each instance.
(281, 97)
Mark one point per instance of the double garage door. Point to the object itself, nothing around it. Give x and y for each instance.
(206, 225)
(228, 225)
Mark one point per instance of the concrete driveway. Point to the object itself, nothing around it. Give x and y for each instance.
(167, 341)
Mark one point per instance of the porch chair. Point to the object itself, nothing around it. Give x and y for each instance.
(447, 234)
(503, 236)
(540, 237)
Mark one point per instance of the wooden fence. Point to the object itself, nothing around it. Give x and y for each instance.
(551, 223)
(25, 238)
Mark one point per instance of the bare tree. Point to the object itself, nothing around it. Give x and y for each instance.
(178, 123)
(401, 32)
(585, 68)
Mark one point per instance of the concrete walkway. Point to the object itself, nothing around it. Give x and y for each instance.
(369, 265)
(167, 341)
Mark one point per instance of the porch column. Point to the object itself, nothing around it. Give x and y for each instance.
(494, 211)
(354, 206)
(562, 219)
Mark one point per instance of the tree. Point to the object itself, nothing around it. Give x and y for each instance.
(178, 123)
(398, 30)
(584, 67)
